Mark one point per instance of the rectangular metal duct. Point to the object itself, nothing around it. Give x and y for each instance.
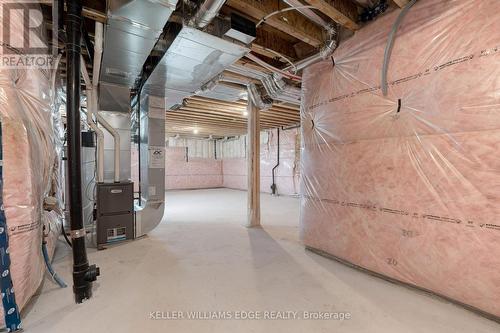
(241, 29)
(193, 59)
(113, 97)
(225, 92)
(149, 212)
(132, 30)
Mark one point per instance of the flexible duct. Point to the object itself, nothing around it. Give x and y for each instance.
(273, 69)
(278, 89)
(206, 13)
(257, 99)
(323, 54)
(274, 85)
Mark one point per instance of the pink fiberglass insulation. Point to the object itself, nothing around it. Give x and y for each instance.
(194, 173)
(31, 165)
(286, 174)
(411, 191)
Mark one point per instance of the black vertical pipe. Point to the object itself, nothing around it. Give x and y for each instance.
(139, 141)
(215, 148)
(60, 14)
(83, 274)
(273, 185)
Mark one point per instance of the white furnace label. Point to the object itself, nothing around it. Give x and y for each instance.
(157, 157)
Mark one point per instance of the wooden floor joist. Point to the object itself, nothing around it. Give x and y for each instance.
(334, 11)
(221, 118)
(291, 23)
(401, 3)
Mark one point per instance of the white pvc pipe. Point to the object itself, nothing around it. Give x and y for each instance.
(98, 42)
(93, 109)
(98, 36)
(116, 137)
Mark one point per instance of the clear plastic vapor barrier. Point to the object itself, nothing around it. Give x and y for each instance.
(407, 184)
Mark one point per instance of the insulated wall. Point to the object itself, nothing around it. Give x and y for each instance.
(286, 173)
(32, 173)
(182, 172)
(407, 185)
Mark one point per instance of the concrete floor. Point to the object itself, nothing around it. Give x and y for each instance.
(201, 259)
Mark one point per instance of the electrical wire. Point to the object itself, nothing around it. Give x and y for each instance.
(64, 234)
(282, 57)
(282, 11)
(54, 275)
(390, 44)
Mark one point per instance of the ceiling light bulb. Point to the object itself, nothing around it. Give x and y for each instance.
(245, 113)
(195, 131)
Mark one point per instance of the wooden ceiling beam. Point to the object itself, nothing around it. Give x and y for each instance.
(241, 104)
(190, 113)
(290, 22)
(199, 123)
(343, 12)
(264, 114)
(270, 40)
(401, 3)
(203, 132)
(231, 113)
(94, 10)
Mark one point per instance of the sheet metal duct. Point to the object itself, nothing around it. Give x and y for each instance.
(132, 30)
(193, 59)
(208, 10)
(120, 122)
(113, 97)
(149, 212)
(275, 87)
(224, 92)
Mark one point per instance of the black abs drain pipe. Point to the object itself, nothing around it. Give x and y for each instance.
(273, 185)
(83, 273)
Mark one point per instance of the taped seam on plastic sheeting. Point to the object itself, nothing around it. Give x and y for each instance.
(432, 176)
(429, 71)
(415, 215)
